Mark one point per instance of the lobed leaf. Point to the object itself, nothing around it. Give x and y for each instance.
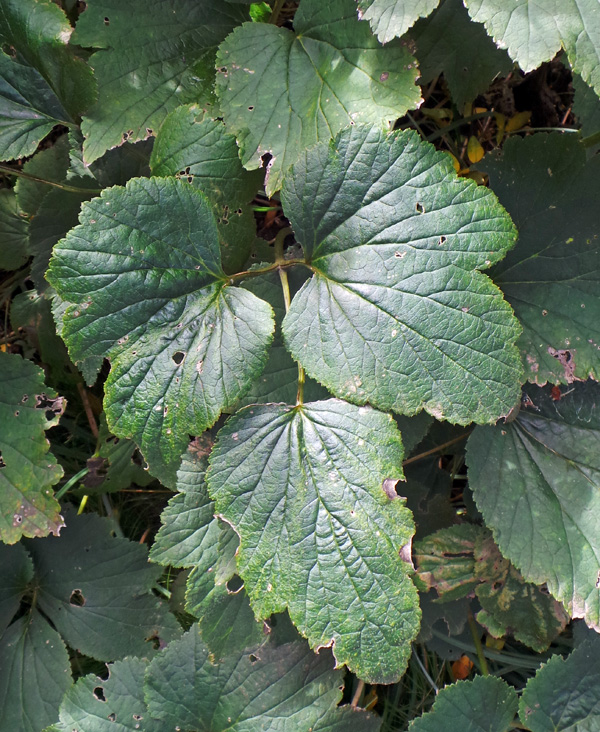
(282, 91)
(180, 356)
(309, 491)
(153, 56)
(396, 312)
(552, 276)
(535, 480)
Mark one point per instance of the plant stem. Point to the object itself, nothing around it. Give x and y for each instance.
(357, 694)
(62, 186)
(433, 450)
(232, 279)
(591, 140)
(285, 286)
(71, 482)
(478, 647)
(276, 10)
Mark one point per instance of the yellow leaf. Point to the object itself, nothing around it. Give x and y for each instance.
(474, 149)
(454, 161)
(517, 121)
(500, 126)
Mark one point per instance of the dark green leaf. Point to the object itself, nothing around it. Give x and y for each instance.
(486, 703)
(395, 240)
(287, 687)
(586, 106)
(283, 91)
(121, 464)
(27, 469)
(115, 704)
(451, 43)
(37, 32)
(564, 694)
(309, 491)
(153, 58)
(35, 674)
(13, 232)
(180, 357)
(29, 109)
(50, 165)
(534, 32)
(536, 481)
(96, 590)
(16, 571)
(552, 277)
(392, 18)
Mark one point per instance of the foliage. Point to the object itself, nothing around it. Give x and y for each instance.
(316, 273)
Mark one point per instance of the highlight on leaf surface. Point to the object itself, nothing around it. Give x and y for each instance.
(396, 241)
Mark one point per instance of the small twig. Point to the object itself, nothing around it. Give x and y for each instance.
(433, 450)
(88, 409)
(357, 694)
(425, 672)
(62, 186)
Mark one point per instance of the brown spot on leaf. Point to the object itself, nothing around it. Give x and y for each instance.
(567, 361)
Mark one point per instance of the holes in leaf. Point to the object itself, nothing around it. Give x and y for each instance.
(442, 240)
(178, 357)
(250, 109)
(253, 658)
(389, 488)
(77, 599)
(234, 585)
(106, 21)
(420, 208)
(2, 463)
(99, 694)
(17, 519)
(112, 717)
(25, 398)
(52, 407)
(266, 160)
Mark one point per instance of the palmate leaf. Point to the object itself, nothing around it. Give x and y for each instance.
(486, 703)
(153, 57)
(27, 469)
(552, 276)
(534, 32)
(392, 18)
(269, 689)
(144, 272)
(563, 696)
(282, 91)
(536, 481)
(304, 489)
(397, 313)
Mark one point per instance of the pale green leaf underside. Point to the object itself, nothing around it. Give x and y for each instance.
(534, 32)
(144, 271)
(155, 56)
(269, 689)
(392, 18)
(115, 704)
(395, 240)
(536, 481)
(283, 91)
(563, 696)
(303, 488)
(28, 470)
(35, 674)
(552, 276)
(486, 703)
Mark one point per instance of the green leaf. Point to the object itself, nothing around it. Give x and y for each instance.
(392, 18)
(551, 278)
(268, 689)
(29, 109)
(451, 43)
(115, 704)
(153, 57)
(181, 357)
(283, 91)
(486, 703)
(534, 32)
(563, 695)
(51, 165)
(27, 469)
(395, 240)
(96, 590)
(36, 674)
(304, 489)
(586, 106)
(196, 148)
(16, 571)
(13, 232)
(536, 480)
(37, 32)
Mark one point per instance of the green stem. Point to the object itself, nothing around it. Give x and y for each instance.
(280, 261)
(232, 279)
(591, 140)
(478, 647)
(276, 10)
(71, 482)
(62, 186)
(433, 450)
